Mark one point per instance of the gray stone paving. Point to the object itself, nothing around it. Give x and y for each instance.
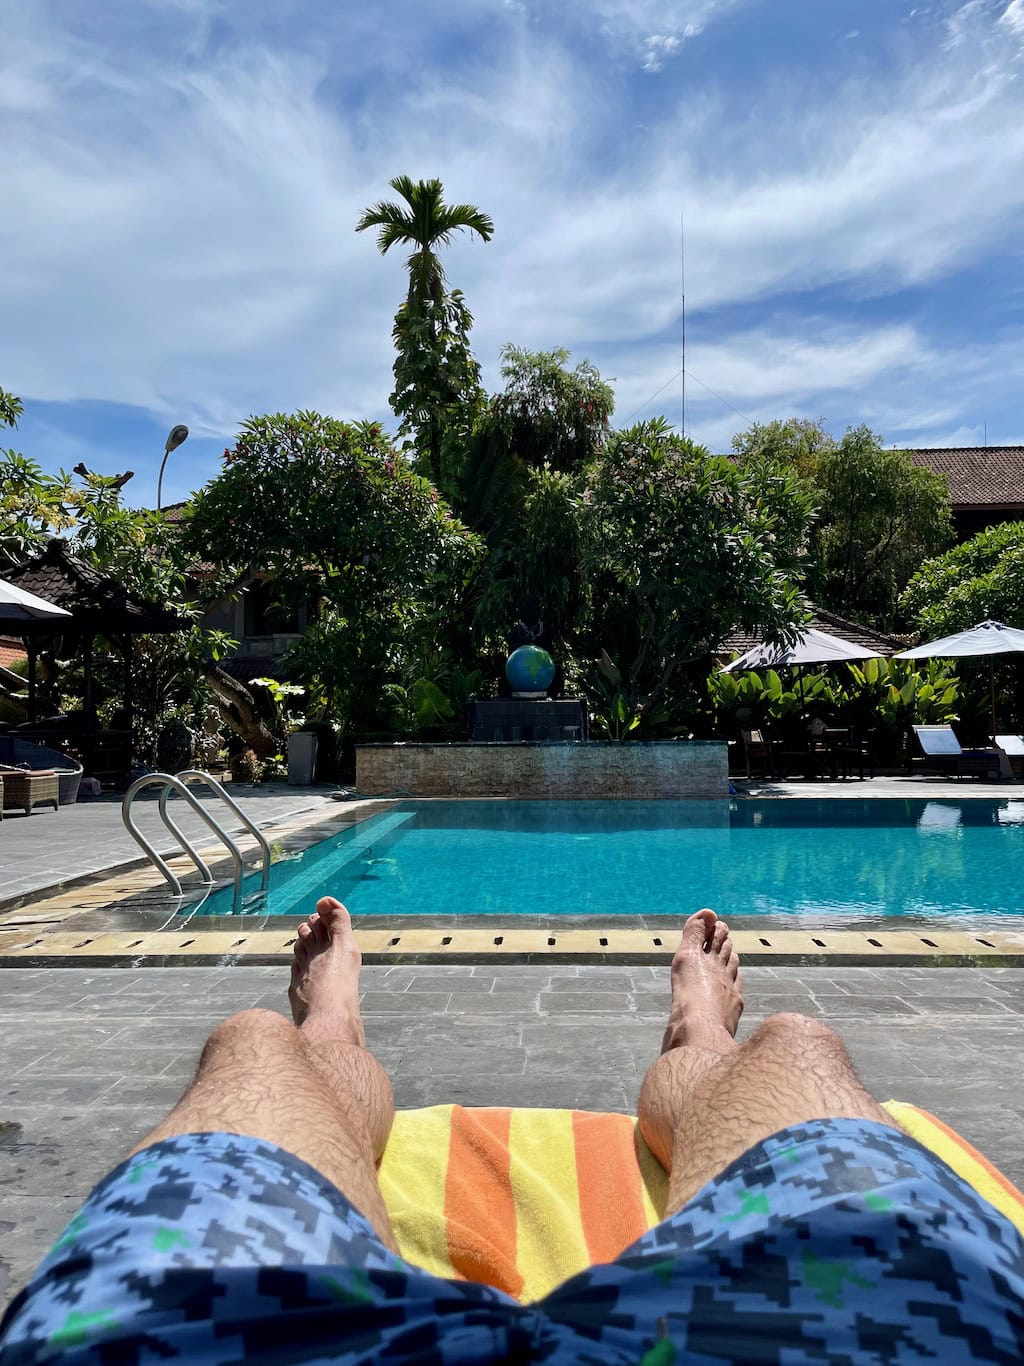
(39, 850)
(92, 1058)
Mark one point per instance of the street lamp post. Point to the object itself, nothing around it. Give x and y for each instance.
(174, 439)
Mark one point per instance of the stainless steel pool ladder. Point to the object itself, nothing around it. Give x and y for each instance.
(178, 782)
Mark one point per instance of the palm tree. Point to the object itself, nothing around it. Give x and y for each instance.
(427, 223)
(431, 327)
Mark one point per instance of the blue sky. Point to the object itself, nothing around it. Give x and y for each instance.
(182, 179)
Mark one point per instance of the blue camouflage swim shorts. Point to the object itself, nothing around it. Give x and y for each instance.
(838, 1240)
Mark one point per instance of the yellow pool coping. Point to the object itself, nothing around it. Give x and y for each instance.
(49, 942)
(45, 930)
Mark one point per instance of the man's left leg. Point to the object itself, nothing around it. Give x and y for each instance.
(312, 1087)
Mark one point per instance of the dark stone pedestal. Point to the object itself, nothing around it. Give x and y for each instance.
(520, 718)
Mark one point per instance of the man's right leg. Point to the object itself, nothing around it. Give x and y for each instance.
(708, 1099)
(801, 1223)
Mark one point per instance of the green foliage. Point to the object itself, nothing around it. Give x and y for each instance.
(980, 580)
(550, 417)
(519, 489)
(10, 409)
(437, 381)
(437, 394)
(752, 701)
(881, 515)
(878, 700)
(684, 547)
(141, 550)
(285, 719)
(877, 514)
(797, 442)
(333, 514)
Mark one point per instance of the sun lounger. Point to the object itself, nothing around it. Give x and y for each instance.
(1013, 747)
(943, 753)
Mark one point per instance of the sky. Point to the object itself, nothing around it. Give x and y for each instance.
(182, 178)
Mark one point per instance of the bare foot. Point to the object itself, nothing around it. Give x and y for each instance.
(325, 973)
(707, 990)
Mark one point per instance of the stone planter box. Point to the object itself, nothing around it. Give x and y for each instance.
(664, 768)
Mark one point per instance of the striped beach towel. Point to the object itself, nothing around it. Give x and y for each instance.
(523, 1199)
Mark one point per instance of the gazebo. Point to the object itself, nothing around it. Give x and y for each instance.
(99, 606)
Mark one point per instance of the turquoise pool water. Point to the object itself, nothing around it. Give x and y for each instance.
(844, 858)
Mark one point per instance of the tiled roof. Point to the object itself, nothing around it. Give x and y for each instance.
(97, 602)
(11, 649)
(741, 641)
(979, 476)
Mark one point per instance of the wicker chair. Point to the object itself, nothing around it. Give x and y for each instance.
(18, 753)
(23, 790)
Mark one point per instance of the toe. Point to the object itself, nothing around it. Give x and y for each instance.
(726, 948)
(720, 935)
(698, 929)
(305, 932)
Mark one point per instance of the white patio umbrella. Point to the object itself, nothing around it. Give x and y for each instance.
(987, 638)
(811, 647)
(17, 605)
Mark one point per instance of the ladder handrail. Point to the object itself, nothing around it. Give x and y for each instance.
(167, 782)
(193, 774)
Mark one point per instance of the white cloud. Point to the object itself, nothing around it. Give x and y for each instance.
(1013, 16)
(651, 30)
(178, 234)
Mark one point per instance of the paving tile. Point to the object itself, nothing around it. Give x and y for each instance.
(119, 1059)
(15, 1057)
(544, 1092)
(36, 1088)
(466, 1059)
(941, 1004)
(592, 982)
(559, 1058)
(505, 1003)
(584, 1003)
(28, 1227)
(838, 1007)
(403, 1003)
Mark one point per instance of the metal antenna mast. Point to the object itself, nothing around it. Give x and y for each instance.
(682, 281)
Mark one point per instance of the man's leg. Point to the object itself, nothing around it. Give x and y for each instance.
(708, 1099)
(310, 1087)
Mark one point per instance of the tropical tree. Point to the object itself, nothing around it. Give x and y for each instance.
(517, 487)
(138, 548)
(436, 378)
(981, 579)
(332, 514)
(796, 441)
(878, 516)
(683, 547)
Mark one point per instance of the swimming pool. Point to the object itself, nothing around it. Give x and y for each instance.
(847, 858)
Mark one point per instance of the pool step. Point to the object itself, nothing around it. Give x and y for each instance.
(310, 876)
(19, 945)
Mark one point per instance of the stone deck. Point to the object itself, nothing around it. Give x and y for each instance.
(92, 1058)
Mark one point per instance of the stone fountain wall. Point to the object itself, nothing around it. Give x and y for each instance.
(670, 768)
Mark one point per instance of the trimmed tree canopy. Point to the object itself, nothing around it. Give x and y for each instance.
(981, 579)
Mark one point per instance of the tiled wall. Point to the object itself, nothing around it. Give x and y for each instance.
(662, 769)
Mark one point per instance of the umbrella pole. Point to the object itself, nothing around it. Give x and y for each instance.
(992, 680)
(30, 647)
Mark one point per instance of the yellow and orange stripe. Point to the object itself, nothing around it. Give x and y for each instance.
(524, 1199)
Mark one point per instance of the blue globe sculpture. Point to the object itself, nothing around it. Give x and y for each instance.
(530, 670)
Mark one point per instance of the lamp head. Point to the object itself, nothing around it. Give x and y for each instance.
(175, 437)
